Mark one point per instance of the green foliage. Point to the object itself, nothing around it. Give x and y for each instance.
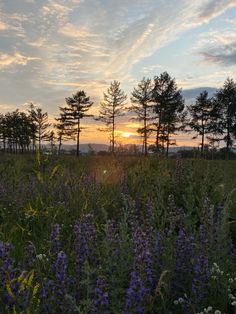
(38, 193)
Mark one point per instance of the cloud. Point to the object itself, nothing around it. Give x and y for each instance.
(214, 8)
(54, 7)
(86, 44)
(7, 60)
(74, 31)
(192, 93)
(104, 39)
(227, 57)
(7, 107)
(218, 47)
(3, 26)
(150, 69)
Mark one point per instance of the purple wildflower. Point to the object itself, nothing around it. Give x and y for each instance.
(100, 302)
(84, 240)
(112, 234)
(30, 255)
(178, 168)
(200, 284)
(183, 257)
(176, 215)
(84, 245)
(54, 239)
(136, 295)
(60, 267)
(143, 262)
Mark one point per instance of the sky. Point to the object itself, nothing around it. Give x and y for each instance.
(49, 49)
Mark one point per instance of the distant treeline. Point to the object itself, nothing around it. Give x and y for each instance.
(158, 105)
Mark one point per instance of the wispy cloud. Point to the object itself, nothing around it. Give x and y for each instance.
(7, 60)
(218, 47)
(213, 8)
(86, 44)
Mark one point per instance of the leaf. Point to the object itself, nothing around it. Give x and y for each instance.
(54, 171)
(39, 176)
(8, 287)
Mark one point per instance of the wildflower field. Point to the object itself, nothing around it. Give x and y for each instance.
(117, 235)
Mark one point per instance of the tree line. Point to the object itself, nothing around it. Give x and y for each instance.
(157, 104)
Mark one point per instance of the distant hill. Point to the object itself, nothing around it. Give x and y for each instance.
(192, 93)
(85, 148)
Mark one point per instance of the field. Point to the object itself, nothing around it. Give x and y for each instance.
(117, 235)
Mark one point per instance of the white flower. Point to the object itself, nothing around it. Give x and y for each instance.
(233, 303)
(176, 302)
(181, 300)
(217, 312)
(41, 257)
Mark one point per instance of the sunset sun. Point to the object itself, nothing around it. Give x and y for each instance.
(127, 134)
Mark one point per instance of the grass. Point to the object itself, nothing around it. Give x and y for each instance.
(37, 193)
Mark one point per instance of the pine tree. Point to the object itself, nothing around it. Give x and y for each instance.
(15, 131)
(51, 140)
(76, 109)
(201, 117)
(3, 131)
(142, 99)
(224, 113)
(40, 121)
(111, 108)
(168, 107)
(63, 129)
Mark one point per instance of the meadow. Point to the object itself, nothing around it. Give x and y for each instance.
(105, 234)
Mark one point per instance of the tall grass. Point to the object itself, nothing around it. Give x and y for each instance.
(116, 235)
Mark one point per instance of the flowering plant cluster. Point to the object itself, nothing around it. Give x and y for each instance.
(79, 246)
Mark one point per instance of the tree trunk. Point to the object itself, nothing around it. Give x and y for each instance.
(168, 143)
(78, 138)
(113, 136)
(145, 132)
(202, 144)
(203, 138)
(228, 144)
(158, 132)
(39, 139)
(59, 146)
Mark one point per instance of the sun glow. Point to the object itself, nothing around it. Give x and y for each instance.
(127, 134)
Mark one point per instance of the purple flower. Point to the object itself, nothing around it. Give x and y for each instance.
(183, 256)
(176, 215)
(30, 255)
(60, 267)
(100, 301)
(136, 295)
(143, 262)
(112, 234)
(5, 250)
(54, 239)
(200, 284)
(84, 246)
(178, 168)
(84, 240)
